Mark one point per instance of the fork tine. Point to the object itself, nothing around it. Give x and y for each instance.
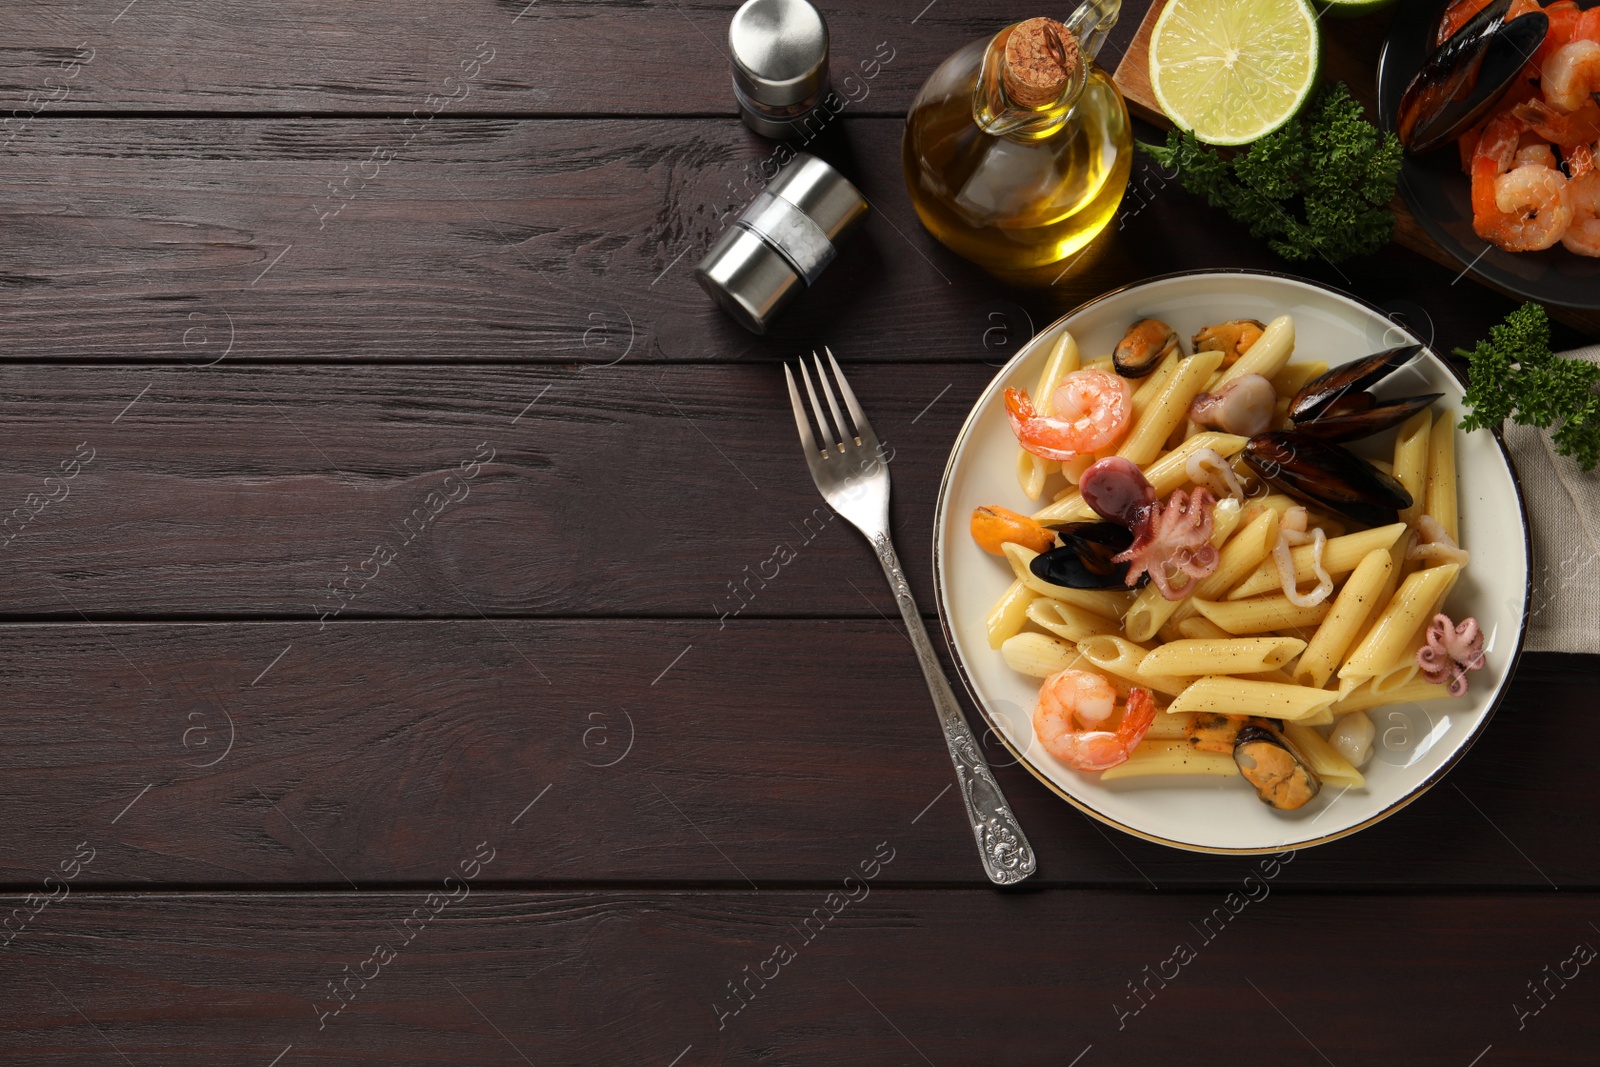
(829, 441)
(801, 421)
(859, 417)
(846, 437)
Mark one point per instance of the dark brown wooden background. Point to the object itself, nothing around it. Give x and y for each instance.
(270, 392)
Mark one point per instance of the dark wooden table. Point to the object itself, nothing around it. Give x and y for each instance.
(376, 693)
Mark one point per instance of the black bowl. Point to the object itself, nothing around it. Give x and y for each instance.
(1440, 196)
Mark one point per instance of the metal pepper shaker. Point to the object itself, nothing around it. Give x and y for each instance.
(782, 242)
(780, 64)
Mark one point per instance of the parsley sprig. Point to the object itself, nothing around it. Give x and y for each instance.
(1318, 188)
(1515, 376)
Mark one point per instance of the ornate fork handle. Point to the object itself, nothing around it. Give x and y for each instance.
(1007, 856)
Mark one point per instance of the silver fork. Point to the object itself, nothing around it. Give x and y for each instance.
(854, 479)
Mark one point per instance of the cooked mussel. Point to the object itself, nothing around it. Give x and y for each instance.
(1233, 339)
(1142, 348)
(1323, 391)
(1327, 475)
(1270, 762)
(1084, 559)
(1467, 75)
(1210, 731)
(1369, 419)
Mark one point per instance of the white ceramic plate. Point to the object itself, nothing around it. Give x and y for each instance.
(1415, 744)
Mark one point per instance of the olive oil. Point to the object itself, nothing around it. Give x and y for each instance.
(1017, 149)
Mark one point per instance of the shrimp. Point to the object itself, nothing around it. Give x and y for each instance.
(1072, 703)
(1534, 209)
(1571, 75)
(1564, 17)
(1492, 156)
(1588, 28)
(1536, 155)
(1580, 161)
(1090, 411)
(1564, 128)
(1522, 209)
(1583, 235)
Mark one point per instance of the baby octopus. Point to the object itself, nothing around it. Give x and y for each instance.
(1450, 652)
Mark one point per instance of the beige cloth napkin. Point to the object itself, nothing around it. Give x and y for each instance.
(1564, 516)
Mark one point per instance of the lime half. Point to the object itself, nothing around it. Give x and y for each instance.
(1233, 70)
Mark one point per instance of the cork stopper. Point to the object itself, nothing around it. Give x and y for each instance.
(1041, 58)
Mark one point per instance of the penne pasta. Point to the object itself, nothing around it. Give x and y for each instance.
(1168, 728)
(1356, 602)
(1266, 357)
(1261, 615)
(1072, 470)
(1009, 613)
(1147, 388)
(1031, 474)
(1067, 621)
(1120, 657)
(1224, 695)
(1394, 634)
(1340, 556)
(1363, 697)
(1294, 376)
(1165, 474)
(1234, 655)
(1108, 603)
(1200, 627)
(1038, 655)
(1031, 469)
(1169, 407)
(1441, 492)
(1326, 763)
(1411, 462)
(1171, 757)
(1169, 632)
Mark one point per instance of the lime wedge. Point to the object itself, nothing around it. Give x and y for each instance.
(1233, 70)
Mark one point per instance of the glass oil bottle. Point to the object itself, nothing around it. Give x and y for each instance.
(1017, 149)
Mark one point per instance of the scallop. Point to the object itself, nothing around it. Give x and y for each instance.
(1352, 738)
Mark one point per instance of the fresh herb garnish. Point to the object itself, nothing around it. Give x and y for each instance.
(1317, 188)
(1515, 376)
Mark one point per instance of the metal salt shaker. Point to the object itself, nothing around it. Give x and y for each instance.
(780, 243)
(780, 64)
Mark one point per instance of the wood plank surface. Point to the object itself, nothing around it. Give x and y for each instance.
(891, 977)
(535, 241)
(281, 753)
(233, 491)
(532, 56)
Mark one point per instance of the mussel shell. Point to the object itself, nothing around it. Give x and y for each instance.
(1261, 753)
(1141, 348)
(1326, 475)
(1322, 391)
(1467, 75)
(1083, 561)
(1373, 419)
(1349, 404)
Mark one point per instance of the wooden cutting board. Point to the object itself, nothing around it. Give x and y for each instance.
(1350, 54)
